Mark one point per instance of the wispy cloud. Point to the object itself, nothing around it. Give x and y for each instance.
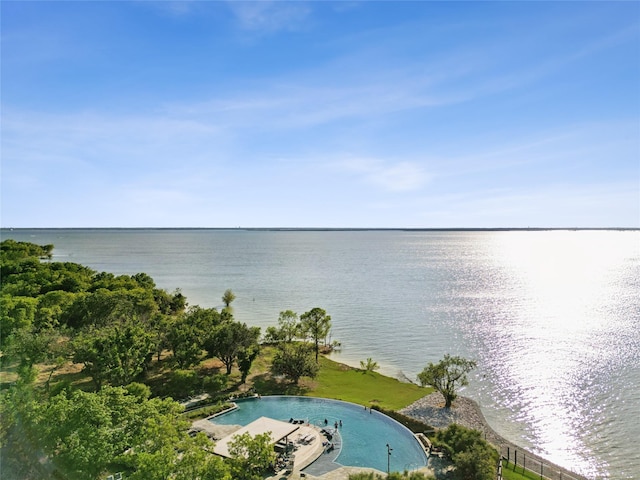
(388, 175)
(270, 15)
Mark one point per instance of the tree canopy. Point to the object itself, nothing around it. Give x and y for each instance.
(447, 376)
(316, 325)
(251, 456)
(228, 339)
(472, 456)
(294, 361)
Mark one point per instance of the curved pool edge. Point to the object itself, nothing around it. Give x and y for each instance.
(335, 463)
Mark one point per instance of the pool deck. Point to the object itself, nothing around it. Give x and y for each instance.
(307, 451)
(311, 461)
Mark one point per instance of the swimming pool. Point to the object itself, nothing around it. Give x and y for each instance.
(365, 433)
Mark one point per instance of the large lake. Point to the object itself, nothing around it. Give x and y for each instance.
(551, 317)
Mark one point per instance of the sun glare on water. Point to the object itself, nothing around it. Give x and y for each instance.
(563, 292)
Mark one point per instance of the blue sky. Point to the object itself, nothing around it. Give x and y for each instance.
(320, 114)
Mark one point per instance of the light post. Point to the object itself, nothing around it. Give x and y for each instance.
(389, 450)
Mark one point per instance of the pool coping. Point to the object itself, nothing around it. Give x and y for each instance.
(333, 463)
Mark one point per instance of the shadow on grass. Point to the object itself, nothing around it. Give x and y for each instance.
(265, 384)
(79, 380)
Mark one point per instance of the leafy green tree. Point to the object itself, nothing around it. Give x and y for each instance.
(472, 456)
(184, 338)
(51, 307)
(12, 250)
(28, 347)
(246, 356)
(16, 313)
(446, 376)
(20, 452)
(288, 328)
(230, 338)
(289, 325)
(316, 324)
(77, 430)
(81, 432)
(116, 354)
(228, 297)
(478, 463)
(369, 365)
(294, 361)
(170, 304)
(104, 307)
(251, 457)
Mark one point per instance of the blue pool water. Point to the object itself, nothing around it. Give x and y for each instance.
(365, 433)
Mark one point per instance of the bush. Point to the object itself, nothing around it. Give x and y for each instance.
(416, 426)
(472, 456)
(206, 411)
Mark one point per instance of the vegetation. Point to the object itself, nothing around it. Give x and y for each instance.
(411, 423)
(294, 360)
(251, 457)
(227, 297)
(369, 365)
(91, 362)
(316, 325)
(229, 339)
(472, 456)
(511, 472)
(287, 330)
(446, 376)
(341, 382)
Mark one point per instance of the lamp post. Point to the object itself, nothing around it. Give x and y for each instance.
(389, 450)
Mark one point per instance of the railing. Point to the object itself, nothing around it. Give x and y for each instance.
(518, 460)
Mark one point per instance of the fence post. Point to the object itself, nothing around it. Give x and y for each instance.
(515, 459)
(541, 467)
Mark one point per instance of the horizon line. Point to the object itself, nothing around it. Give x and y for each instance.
(339, 229)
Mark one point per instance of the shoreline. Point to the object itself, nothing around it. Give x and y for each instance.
(466, 412)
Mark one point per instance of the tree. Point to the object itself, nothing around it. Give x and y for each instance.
(228, 339)
(228, 297)
(16, 313)
(294, 361)
(116, 354)
(184, 339)
(83, 432)
(288, 328)
(472, 456)
(316, 324)
(251, 456)
(369, 365)
(29, 347)
(246, 356)
(446, 376)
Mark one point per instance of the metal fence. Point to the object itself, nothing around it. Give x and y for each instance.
(520, 460)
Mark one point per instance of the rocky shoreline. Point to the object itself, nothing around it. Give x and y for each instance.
(466, 412)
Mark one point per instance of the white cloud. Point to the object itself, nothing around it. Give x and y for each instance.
(389, 176)
(269, 16)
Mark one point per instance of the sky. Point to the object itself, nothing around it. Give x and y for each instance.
(322, 114)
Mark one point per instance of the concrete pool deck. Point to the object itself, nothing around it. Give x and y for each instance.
(310, 459)
(306, 453)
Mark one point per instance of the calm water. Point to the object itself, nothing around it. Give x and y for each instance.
(364, 434)
(552, 318)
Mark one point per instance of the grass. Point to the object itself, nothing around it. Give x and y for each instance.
(341, 382)
(519, 474)
(335, 380)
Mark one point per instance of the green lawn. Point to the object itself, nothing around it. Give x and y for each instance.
(342, 382)
(509, 474)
